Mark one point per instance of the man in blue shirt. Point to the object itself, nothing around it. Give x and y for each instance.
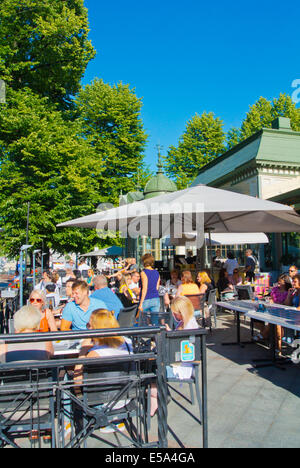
(103, 293)
(77, 313)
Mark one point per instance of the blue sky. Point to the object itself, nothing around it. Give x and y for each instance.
(187, 57)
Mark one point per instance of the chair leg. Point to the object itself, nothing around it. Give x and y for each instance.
(197, 383)
(192, 394)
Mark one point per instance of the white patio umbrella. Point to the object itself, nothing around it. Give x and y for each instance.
(219, 239)
(198, 208)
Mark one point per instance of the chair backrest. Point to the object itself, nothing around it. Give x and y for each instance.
(107, 383)
(212, 297)
(124, 299)
(126, 317)
(244, 292)
(179, 342)
(198, 300)
(24, 396)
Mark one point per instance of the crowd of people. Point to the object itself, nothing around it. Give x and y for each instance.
(80, 299)
(66, 299)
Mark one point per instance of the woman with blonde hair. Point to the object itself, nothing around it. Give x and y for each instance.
(205, 283)
(125, 281)
(105, 346)
(38, 300)
(183, 312)
(188, 286)
(102, 347)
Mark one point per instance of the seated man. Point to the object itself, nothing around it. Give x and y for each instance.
(106, 295)
(77, 313)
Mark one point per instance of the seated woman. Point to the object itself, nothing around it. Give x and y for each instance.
(26, 320)
(183, 313)
(38, 300)
(205, 284)
(108, 346)
(293, 297)
(224, 286)
(236, 279)
(279, 293)
(46, 279)
(188, 286)
(125, 281)
(190, 289)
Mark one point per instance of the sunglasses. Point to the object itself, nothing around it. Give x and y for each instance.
(33, 299)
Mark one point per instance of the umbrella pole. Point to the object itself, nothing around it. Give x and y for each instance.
(210, 255)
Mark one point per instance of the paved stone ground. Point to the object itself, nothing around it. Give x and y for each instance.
(247, 407)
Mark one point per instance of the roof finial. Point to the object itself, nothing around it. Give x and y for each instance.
(159, 162)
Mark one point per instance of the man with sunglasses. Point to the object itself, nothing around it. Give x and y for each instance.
(76, 314)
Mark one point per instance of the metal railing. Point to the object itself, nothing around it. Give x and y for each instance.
(153, 348)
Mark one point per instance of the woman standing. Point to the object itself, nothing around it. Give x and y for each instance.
(149, 301)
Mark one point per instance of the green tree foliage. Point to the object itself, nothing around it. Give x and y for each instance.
(233, 137)
(45, 162)
(110, 117)
(202, 141)
(262, 114)
(63, 163)
(44, 46)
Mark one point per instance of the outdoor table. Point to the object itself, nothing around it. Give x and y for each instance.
(275, 314)
(240, 307)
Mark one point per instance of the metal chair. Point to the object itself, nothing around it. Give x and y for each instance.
(26, 405)
(127, 316)
(244, 292)
(124, 299)
(175, 341)
(198, 301)
(108, 393)
(163, 315)
(211, 303)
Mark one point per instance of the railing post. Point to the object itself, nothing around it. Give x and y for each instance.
(204, 391)
(162, 390)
